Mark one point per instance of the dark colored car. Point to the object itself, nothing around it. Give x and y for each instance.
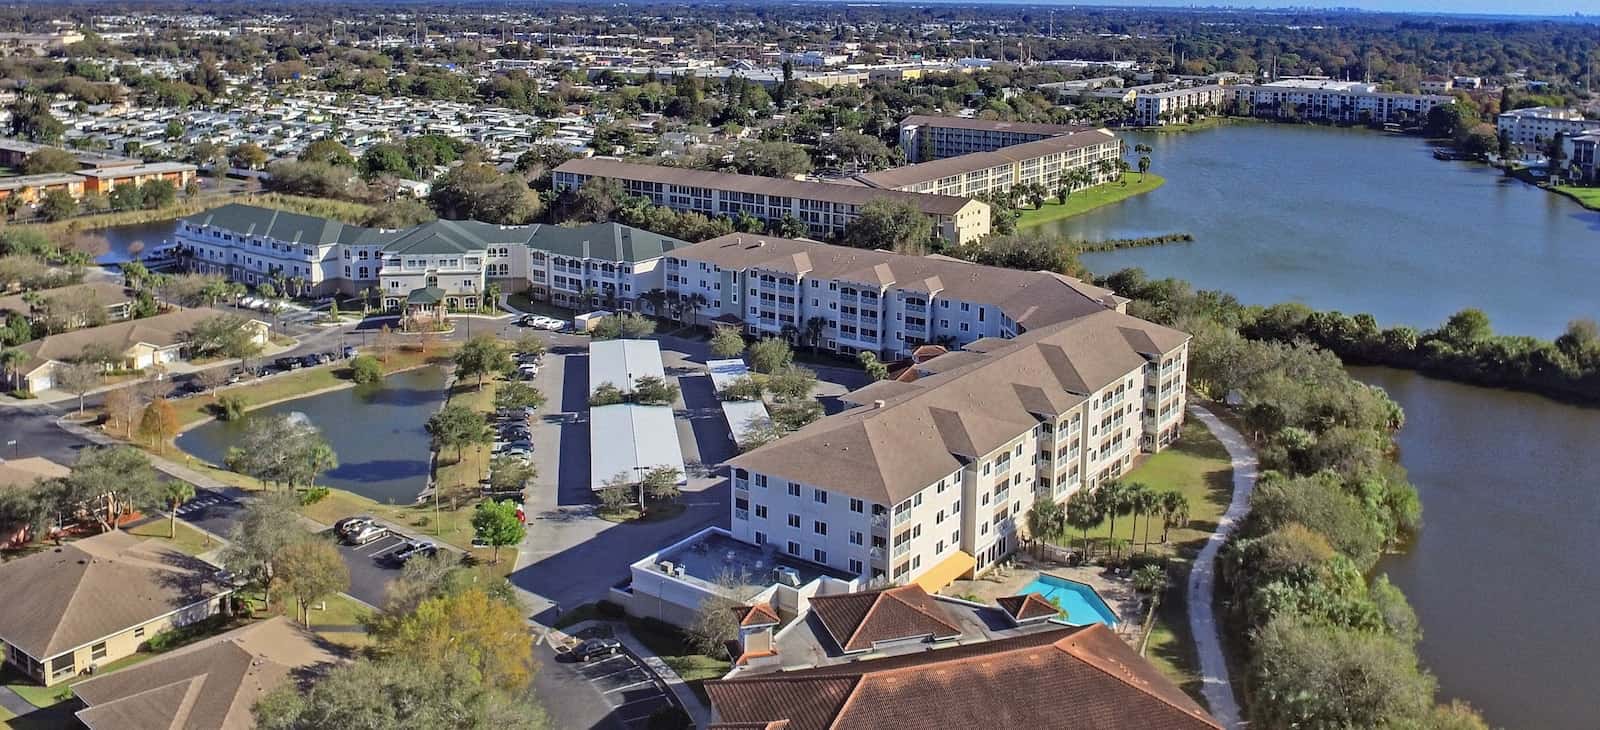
(351, 524)
(592, 649)
(348, 352)
(288, 363)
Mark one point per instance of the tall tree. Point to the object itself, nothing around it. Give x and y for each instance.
(496, 523)
(268, 525)
(480, 356)
(889, 223)
(310, 570)
(176, 493)
(78, 378)
(457, 426)
(487, 633)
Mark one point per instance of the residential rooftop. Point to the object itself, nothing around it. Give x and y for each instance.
(898, 177)
(990, 125)
(719, 562)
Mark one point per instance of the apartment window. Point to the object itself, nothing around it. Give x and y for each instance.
(940, 488)
(761, 537)
(98, 651)
(794, 490)
(138, 633)
(819, 496)
(761, 480)
(794, 520)
(857, 505)
(761, 511)
(938, 547)
(916, 562)
(819, 527)
(938, 518)
(794, 548)
(819, 556)
(855, 537)
(855, 566)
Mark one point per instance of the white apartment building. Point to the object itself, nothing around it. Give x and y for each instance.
(848, 300)
(936, 472)
(604, 264)
(1339, 101)
(924, 137)
(824, 208)
(1583, 156)
(1527, 128)
(1162, 107)
(1046, 161)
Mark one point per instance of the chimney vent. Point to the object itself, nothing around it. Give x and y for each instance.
(877, 404)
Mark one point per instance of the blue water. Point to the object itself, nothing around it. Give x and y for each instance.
(1082, 604)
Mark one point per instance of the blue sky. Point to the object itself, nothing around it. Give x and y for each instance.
(1497, 7)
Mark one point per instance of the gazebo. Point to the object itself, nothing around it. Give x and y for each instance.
(425, 306)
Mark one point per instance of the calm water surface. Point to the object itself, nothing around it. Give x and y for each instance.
(1356, 221)
(1504, 576)
(377, 431)
(122, 240)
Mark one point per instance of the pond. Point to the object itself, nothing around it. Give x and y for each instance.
(377, 431)
(1357, 221)
(122, 241)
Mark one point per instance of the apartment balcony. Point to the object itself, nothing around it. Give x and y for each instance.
(742, 485)
(916, 309)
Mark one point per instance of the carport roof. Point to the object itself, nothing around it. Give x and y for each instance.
(631, 439)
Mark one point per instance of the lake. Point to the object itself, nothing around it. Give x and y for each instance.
(1503, 577)
(1357, 221)
(122, 239)
(377, 431)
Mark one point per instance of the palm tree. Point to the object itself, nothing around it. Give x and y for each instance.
(1174, 512)
(816, 326)
(657, 299)
(1113, 497)
(1047, 521)
(1144, 166)
(10, 359)
(1151, 580)
(177, 492)
(1146, 502)
(790, 333)
(694, 304)
(1083, 512)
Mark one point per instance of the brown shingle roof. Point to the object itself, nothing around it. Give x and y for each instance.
(105, 292)
(1030, 298)
(857, 621)
(925, 429)
(56, 600)
(831, 192)
(991, 125)
(211, 685)
(898, 177)
(1074, 678)
(1030, 607)
(162, 330)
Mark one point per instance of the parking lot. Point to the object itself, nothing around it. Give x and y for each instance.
(372, 567)
(609, 692)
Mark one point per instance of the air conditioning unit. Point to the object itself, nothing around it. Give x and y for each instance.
(666, 566)
(784, 575)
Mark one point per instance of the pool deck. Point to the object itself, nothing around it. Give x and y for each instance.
(1009, 580)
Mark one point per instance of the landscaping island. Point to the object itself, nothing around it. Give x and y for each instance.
(1088, 199)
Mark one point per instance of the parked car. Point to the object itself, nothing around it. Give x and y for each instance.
(518, 452)
(366, 534)
(592, 649)
(311, 361)
(237, 375)
(548, 323)
(348, 352)
(288, 363)
(350, 525)
(414, 549)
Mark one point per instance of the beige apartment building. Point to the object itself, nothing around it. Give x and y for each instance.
(926, 137)
(824, 208)
(1046, 161)
(930, 480)
(1162, 107)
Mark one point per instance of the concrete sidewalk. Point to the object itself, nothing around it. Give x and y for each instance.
(1215, 683)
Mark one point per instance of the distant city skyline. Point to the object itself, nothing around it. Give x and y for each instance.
(1452, 7)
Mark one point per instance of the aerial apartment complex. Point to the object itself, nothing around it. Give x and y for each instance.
(934, 474)
(1338, 101)
(1531, 126)
(848, 300)
(1160, 107)
(825, 208)
(924, 137)
(1047, 161)
(604, 263)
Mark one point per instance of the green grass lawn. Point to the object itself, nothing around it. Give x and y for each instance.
(289, 385)
(1197, 466)
(1088, 199)
(1586, 197)
(189, 539)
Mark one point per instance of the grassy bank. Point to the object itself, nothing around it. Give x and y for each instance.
(1586, 197)
(1203, 124)
(340, 210)
(292, 385)
(1088, 199)
(1197, 466)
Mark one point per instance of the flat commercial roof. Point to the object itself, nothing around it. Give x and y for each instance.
(631, 439)
(623, 362)
(724, 372)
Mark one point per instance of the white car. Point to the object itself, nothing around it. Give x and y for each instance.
(547, 323)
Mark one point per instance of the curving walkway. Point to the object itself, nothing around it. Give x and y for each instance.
(1215, 685)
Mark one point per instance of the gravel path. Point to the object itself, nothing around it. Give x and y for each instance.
(1215, 684)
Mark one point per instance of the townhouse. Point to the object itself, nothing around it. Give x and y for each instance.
(825, 208)
(932, 479)
(925, 137)
(848, 300)
(452, 261)
(103, 180)
(1048, 162)
(129, 345)
(1530, 127)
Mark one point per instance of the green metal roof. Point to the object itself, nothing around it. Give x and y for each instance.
(425, 295)
(609, 241)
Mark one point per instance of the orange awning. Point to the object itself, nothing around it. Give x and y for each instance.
(958, 564)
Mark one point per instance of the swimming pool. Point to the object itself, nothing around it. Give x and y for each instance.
(1082, 604)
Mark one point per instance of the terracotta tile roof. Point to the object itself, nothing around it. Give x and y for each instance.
(56, 600)
(760, 614)
(963, 406)
(1071, 679)
(1031, 607)
(211, 685)
(857, 621)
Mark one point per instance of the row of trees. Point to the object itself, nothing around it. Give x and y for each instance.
(1085, 510)
(1329, 501)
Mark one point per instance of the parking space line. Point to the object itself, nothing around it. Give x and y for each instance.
(651, 698)
(613, 657)
(628, 686)
(628, 668)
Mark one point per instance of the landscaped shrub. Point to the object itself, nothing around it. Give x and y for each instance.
(313, 495)
(366, 369)
(229, 407)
